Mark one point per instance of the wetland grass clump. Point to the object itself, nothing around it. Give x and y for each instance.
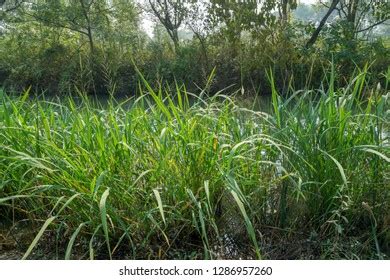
(161, 177)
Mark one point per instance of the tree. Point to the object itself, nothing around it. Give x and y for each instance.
(123, 25)
(236, 16)
(199, 23)
(84, 17)
(253, 15)
(357, 16)
(285, 6)
(171, 14)
(363, 15)
(87, 18)
(317, 31)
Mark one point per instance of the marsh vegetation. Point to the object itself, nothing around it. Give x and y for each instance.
(114, 145)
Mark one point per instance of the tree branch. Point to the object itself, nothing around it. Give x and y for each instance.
(373, 25)
(314, 37)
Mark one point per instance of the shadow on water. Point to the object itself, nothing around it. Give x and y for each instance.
(255, 102)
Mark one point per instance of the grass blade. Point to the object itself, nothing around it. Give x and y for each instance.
(38, 236)
(160, 205)
(103, 216)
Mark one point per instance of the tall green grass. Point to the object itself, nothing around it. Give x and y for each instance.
(170, 175)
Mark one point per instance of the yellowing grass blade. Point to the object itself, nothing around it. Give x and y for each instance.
(160, 205)
(71, 242)
(38, 236)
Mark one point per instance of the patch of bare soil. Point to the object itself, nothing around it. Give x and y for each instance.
(8, 247)
(10, 255)
(13, 242)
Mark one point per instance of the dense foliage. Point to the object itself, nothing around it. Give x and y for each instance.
(58, 46)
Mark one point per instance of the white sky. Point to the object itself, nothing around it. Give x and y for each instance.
(308, 1)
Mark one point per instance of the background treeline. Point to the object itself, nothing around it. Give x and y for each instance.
(60, 46)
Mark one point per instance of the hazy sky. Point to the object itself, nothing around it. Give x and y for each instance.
(308, 1)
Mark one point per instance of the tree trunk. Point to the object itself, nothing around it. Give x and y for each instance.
(314, 37)
(89, 28)
(90, 40)
(284, 10)
(351, 19)
(175, 39)
(352, 11)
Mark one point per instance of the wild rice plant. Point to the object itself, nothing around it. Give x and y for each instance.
(173, 175)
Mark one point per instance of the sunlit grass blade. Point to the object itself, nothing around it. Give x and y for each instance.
(103, 216)
(69, 248)
(38, 237)
(160, 204)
